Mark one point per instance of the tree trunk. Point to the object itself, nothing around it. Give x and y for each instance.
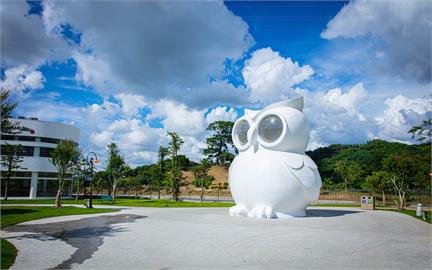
(346, 184)
(114, 188)
(58, 199)
(78, 191)
(384, 198)
(6, 189)
(202, 192)
(174, 194)
(159, 190)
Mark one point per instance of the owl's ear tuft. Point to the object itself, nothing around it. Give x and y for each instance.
(251, 113)
(296, 103)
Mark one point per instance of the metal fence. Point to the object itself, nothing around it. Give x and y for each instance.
(326, 196)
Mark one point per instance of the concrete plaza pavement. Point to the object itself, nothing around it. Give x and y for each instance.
(208, 238)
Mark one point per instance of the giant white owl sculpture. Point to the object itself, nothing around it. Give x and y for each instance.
(272, 177)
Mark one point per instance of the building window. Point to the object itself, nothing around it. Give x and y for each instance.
(45, 152)
(26, 138)
(50, 140)
(47, 175)
(28, 151)
(22, 174)
(8, 137)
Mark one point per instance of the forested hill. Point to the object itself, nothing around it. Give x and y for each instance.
(350, 165)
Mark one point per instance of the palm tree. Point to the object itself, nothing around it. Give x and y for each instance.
(63, 157)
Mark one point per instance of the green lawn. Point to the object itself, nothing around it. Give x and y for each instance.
(127, 202)
(8, 254)
(410, 213)
(335, 205)
(11, 215)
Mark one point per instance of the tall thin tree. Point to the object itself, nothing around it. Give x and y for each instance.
(62, 157)
(11, 157)
(163, 152)
(176, 176)
(115, 167)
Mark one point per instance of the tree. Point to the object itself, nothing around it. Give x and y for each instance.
(423, 132)
(341, 168)
(201, 177)
(115, 167)
(380, 182)
(131, 182)
(7, 107)
(101, 181)
(176, 175)
(79, 172)
(11, 157)
(163, 152)
(62, 157)
(349, 172)
(406, 172)
(219, 144)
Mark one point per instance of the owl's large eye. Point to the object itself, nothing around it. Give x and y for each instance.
(270, 128)
(242, 131)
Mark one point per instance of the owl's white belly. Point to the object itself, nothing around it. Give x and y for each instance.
(264, 179)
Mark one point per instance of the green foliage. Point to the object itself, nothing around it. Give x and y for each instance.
(11, 215)
(116, 167)
(115, 163)
(11, 157)
(220, 143)
(63, 157)
(7, 107)
(354, 163)
(79, 171)
(378, 181)
(175, 174)
(201, 177)
(8, 254)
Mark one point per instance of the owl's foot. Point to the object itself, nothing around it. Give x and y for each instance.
(262, 211)
(238, 210)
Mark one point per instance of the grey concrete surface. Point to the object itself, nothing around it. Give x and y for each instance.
(208, 238)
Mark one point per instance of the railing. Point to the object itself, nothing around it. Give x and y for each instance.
(224, 195)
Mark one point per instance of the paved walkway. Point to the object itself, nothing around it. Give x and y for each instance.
(208, 238)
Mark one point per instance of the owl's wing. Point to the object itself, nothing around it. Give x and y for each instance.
(293, 161)
(303, 168)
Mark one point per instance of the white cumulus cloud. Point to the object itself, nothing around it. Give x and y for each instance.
(22, 78)
(270, 76)
(222, 113)
(405, 27)
(400, 115)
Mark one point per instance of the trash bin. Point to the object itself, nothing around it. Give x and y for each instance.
(419, 210)
(368, 202)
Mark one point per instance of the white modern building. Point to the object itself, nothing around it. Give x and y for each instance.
(37, 174)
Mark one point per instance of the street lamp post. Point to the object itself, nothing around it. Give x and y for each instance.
(91, 160)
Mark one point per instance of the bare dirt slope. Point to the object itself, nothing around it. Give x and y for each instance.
(219, 173)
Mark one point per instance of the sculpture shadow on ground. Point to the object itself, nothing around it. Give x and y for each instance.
(86, 235)
(329, 212)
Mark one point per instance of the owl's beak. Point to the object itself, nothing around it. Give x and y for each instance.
(255, 146)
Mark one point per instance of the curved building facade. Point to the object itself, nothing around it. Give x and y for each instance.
(37, 174)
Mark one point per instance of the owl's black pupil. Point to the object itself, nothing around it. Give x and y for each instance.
(242, 132)
(270, 128)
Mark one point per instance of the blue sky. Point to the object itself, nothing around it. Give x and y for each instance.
(131, 71)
